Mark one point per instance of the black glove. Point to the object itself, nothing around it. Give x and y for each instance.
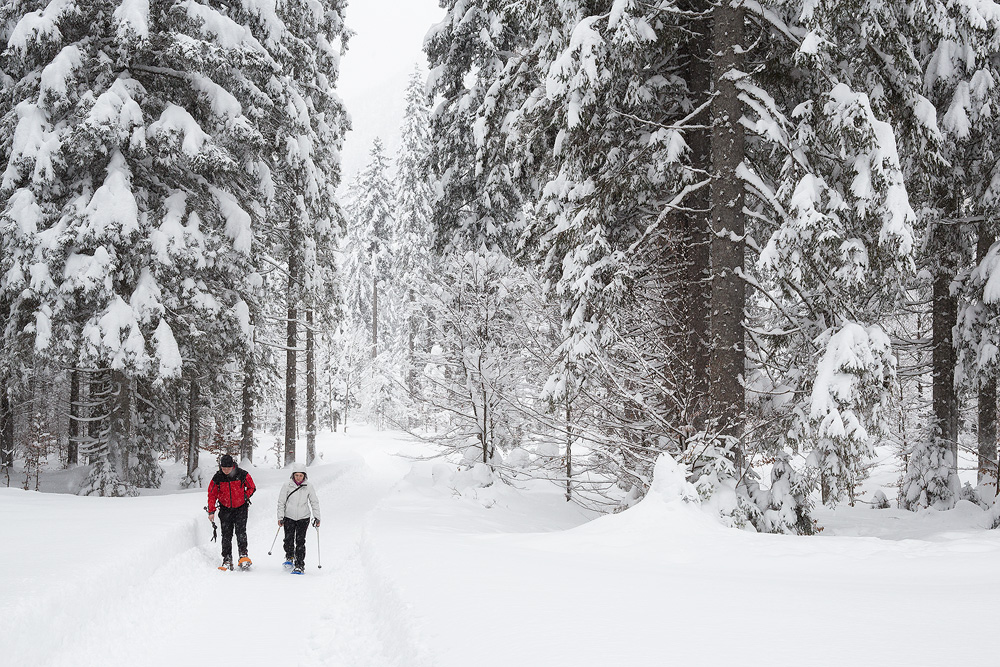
(315, 523)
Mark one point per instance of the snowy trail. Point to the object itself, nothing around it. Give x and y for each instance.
(179, 608)
(423, 568)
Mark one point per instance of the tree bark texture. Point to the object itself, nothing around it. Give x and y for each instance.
(694, 226)
(122, 423)
(945, 398)
(73, 450)
(292, 339)
(987, 400)
(291, 375)
(6, 427)
(246, 427)
(194, 428)
(310, 389)
(569, 449)
(728, 293)
(988, 433)
(374, 317)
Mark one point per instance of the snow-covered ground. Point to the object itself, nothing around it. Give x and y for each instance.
(417, 573)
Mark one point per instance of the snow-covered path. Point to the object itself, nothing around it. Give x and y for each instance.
(136, 586)
(423, 569)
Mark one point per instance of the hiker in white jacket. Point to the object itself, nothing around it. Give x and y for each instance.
(295, 500)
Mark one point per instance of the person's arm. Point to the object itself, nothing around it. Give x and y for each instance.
(213, 496)
(282, 497)
(250, 486)
(314, 503)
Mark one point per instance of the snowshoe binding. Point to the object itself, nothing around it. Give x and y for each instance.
(227, 564)
(288, 564)
(245, 563)
(297, 570)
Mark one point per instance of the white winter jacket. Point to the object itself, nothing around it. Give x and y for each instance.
(295, 504)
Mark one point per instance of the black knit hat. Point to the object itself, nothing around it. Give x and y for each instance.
(227, 461)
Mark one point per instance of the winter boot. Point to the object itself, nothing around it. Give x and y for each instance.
(298, 569)
(245, 562)
(289, 563)
(227, 564)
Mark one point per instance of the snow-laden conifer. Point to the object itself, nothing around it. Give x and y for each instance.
(367, 245)
(127, 217)
(959, 194)
(412, 234)
(597, 115)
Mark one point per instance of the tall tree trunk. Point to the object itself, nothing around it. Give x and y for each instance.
(987, 399)
(73, 451)
(728, 228)
(330, 407)
(310, 389)
(121, 436)
(95, 407)
(291, 367)
(695, 223)
(569, 448)
(249, 388)
(945, 398)
(6, 427)
(988, 433)
(194, 428)
(411, 342)
(374, 317)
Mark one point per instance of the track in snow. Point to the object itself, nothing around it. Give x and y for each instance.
(186, 611)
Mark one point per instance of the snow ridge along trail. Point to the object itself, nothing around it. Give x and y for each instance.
(156, 598)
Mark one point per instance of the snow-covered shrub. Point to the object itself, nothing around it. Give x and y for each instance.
(930, 479)
(718, 486)
(785, 506)
(849, 402)
(971, 494)
(879, 500)
(103, 480)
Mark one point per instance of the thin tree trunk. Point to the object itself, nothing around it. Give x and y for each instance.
(194, 428)
(411, 342)
(291, 376)
(6, 427)
(330, 410)
(374, 317)
(945, 398)
(988, 433)
(728, 228)
(73, 451)
(310, 389)
(249, 388)
(292, 341)
(569, 449)
(121, 436)
(987, 401)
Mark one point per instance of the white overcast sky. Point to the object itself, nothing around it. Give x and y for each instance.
(387, 44)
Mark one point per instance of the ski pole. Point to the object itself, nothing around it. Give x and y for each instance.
(319, 557)
(274, 540)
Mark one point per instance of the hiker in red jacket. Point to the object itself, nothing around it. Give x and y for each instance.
(232, 487)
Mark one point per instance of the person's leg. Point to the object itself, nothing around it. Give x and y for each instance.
(241, 527)
(226, 519)
(289, 527)
(301, 528)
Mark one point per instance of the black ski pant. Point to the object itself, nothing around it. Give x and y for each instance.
(233, 518)
(295, 539)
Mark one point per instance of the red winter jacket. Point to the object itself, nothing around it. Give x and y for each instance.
(230, 491)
